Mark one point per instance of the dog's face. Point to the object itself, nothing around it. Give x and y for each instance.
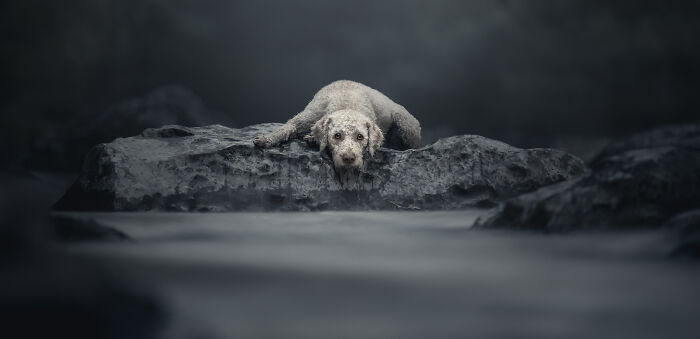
(347, 133)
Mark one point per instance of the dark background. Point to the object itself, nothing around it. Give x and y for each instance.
(527, 72)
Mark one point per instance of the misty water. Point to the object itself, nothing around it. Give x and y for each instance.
(396, 275)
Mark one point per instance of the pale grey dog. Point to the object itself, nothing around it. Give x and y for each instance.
(349, 117)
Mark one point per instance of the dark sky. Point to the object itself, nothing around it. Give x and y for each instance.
(503, 69)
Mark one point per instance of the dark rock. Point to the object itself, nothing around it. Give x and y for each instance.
(71, 229)
(216, 168)
(63, 148)
(22, 217)
(49, 292)
(685, 231)
(667, 136)
(635, 182)
(66, 297)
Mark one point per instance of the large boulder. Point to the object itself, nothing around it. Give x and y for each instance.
(640, 181)
(62, 148)
(216, 168)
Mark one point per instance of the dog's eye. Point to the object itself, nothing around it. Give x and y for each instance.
(337, 135)
(360, 137)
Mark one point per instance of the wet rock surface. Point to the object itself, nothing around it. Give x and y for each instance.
(215, 168)
(640, 181)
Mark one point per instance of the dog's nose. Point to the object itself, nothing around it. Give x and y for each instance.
(348, 158)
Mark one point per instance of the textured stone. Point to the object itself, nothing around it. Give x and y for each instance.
(216, 168)
(639, 181)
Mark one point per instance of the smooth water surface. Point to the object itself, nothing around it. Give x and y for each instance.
(397, 275)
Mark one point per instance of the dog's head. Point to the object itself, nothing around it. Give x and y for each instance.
(347, 133)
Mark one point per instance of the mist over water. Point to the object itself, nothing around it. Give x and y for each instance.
(396, 274)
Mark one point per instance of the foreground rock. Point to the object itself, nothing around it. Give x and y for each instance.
(49, 291)
(216, 168)
(640, 181)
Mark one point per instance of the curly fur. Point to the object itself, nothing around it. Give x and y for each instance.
(348, 108)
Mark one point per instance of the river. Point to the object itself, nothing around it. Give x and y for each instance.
(397, 275)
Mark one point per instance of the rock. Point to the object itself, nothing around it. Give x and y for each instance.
(63, 147)
(61, 296)
(71, 229)
(216, 168)
(50, 291)
(640, 181)
(667, 136)
(685, 231)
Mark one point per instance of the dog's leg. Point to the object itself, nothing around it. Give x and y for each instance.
(296, 127)
(280, 135)
(407, 128)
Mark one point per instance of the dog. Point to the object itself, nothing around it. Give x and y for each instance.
(348, 117)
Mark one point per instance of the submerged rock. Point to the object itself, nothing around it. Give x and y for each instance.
(216, 168)
(71, 229)
(640, 181)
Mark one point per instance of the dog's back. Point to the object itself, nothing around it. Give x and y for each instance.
(347, 94)
(392, 119)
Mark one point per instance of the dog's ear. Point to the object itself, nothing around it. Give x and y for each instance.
(375, 137)
(320, 132)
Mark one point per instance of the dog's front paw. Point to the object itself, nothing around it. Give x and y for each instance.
(262, 141)
(309, 138)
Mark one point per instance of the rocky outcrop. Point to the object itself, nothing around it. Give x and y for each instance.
(216, 168)
(63, 147)
(640, 181)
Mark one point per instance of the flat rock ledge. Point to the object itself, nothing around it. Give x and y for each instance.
(215, 168)
(641, 181)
